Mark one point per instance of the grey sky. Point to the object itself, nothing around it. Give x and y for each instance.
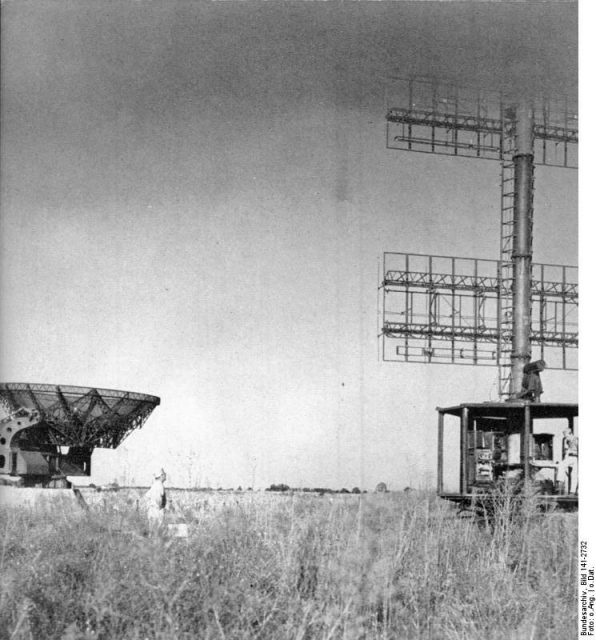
(194, 199)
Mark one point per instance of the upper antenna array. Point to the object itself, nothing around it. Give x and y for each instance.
(434, 116)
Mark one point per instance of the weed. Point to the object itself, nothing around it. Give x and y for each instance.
(266, 566)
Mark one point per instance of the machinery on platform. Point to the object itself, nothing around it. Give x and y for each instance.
(509, 443)
(50, 431)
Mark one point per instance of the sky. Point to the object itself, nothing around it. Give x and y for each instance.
(194, 201)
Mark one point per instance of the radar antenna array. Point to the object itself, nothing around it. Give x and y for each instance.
(470, 311)
(433, 116)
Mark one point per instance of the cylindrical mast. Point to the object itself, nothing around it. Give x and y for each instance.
(523, 160)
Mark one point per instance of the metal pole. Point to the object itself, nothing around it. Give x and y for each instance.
(463, 473)
(523, 161)
(440, 448)
(526, 445)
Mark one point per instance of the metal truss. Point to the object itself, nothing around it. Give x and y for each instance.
(437, 331)
(447, 309)
(79, 416)
(488, 284)
(431, 116)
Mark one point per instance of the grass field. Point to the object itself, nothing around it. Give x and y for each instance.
(269, 566)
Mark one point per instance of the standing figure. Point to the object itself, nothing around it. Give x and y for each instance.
(156, 498)
(567, 468)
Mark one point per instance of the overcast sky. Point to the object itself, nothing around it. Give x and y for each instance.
(194, 200)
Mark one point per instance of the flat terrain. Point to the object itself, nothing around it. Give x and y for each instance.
(286, 566)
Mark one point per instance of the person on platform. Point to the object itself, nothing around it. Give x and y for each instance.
(531, 384)
(156, 499)
(567, 468)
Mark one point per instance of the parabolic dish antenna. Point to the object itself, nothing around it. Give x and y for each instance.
(50, 431)
(76, 416)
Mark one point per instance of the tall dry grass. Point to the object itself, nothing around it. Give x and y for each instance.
(297, 567)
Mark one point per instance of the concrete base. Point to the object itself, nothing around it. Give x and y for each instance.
(34, 498)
